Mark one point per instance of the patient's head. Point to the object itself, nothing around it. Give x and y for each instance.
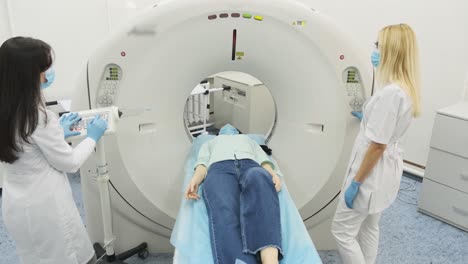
(228, 129)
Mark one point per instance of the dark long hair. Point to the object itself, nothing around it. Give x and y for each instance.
(22, 60)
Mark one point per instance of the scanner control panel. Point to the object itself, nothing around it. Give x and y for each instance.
(108, 87)
(110, 114)
(354, 88)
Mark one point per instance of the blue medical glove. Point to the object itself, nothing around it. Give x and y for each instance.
(357, 114)
(96, 128)
(351, 193)
(66, 121)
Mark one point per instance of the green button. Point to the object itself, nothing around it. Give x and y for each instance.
(247, 16)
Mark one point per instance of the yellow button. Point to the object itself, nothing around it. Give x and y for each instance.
(259, 18)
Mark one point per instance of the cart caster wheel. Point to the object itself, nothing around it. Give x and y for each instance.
(143, 254)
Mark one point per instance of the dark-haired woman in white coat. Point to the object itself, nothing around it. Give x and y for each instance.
(37, 204)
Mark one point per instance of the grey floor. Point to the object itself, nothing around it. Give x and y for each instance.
(407, 237)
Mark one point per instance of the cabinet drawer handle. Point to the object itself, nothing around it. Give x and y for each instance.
(464, 176)
(460, 211)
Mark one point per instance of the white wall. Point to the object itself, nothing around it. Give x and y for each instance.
(121, 11)
(441, 27)
(5, 30)
(74, 28)
(466, 86)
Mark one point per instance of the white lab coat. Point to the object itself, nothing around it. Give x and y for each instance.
(387, 116)
(38, 207)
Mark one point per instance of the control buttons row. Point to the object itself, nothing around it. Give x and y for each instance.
(109, 84)
(83, 123)
(235, 15)
(353, 89)
(108, 91)
(356, 103)
(106, 100)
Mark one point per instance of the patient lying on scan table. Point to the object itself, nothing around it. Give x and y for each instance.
(240, 192)
(191, 234)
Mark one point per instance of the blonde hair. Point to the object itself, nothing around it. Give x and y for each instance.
(400, 61)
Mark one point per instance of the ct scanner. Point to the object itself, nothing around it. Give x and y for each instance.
(148, 70)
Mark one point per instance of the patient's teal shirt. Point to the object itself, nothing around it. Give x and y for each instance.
(231, 147)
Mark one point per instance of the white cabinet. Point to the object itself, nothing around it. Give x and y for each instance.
(248, 105)
(444, 193)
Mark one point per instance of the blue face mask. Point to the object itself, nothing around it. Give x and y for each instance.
(50, 77)
(228, 130)
(375, 58)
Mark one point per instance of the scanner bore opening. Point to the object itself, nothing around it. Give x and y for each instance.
(230, 97)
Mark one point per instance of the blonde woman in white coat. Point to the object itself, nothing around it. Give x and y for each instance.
(376, 165)
(38, 207)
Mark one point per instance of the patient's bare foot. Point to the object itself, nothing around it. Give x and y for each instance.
(269, 255)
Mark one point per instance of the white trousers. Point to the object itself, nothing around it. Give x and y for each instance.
(357, 235)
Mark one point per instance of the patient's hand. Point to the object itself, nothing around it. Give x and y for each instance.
(192, 190)
(277, 182)
(197, 179)
(275, 177)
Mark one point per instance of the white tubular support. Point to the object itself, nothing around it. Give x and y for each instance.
(212, 90)
(193, 128)
(204, 107)
(103, 180)
(412, 170)
(207, 103)
(191, 109)
(10, 19)
(196, 108)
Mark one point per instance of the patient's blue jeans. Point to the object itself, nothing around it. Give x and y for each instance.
(243, 210)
